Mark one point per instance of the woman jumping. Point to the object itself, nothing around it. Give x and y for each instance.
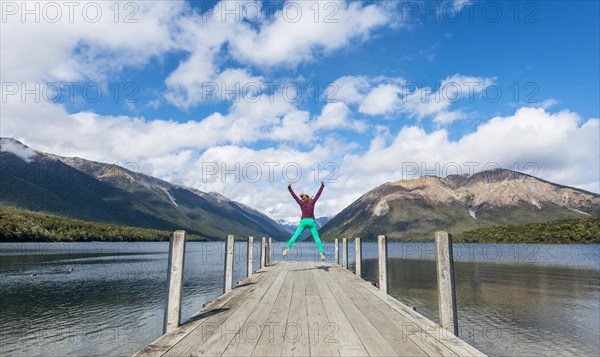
(307, 205)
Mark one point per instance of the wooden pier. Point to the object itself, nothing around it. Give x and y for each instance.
(308, 309)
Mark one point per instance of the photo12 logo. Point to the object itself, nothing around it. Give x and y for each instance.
(69, 11)
(271, 11)
(253, 172)
(472, 11)
(69, 92)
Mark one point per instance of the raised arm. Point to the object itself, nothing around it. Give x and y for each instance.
(293, 194)
(319, 193)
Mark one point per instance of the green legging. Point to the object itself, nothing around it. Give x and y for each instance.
(310, 224)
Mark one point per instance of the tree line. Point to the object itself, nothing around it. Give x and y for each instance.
(25, 226)
(575, 230)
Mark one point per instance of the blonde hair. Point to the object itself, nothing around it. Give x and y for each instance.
(302, 195)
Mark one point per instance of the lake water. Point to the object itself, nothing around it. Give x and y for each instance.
(107, 299)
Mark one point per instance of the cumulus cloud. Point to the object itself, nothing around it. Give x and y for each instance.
(301, 30)
(382, 99)
(124, 138)
(294, 34)
(349, 89)
(390, 95)
(21, 151)
(84, 44)
(560, 147)
(563, 145)
(337, 116)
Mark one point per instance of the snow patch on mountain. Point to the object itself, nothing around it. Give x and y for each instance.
(381, 209)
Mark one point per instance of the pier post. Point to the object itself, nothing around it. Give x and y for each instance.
(383, 258)
(174, 281)
(336, 253)
(228, 263)
(270, 250)
(250, 256)
(358, 255)
(445, 278)
(263, 253)
(345, 252)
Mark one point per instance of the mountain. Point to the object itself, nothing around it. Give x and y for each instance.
(291, 227)
(415, 209)
(95, 191)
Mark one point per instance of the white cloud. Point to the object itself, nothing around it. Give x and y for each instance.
(389, 95)
(562, 147)
(83, 49)
(425, 102)
(430, 52)
(300, 31)
(459, 4)
(337, 116)
(562, 144)
(382, 99)
(349, 89)
(262, 42)
(23, 152)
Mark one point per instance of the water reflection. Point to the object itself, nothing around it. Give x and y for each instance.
(103, 299)
(508, 309)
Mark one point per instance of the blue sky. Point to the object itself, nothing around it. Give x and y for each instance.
(392, 70)
(551, 44)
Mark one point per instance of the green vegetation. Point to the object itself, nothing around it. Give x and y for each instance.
(26, 226)
(578, 230)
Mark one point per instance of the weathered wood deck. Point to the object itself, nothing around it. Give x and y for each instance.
(307, 309)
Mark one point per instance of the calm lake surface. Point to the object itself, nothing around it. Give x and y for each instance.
(108, 299)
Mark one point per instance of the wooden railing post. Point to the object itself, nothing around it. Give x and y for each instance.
(250, 256)
(174, 281)
(345, 252)
(336, 253)
(358, 254)
(445, 275)
(383, 258)
(228, 264)
(263, 253)
(270, 250)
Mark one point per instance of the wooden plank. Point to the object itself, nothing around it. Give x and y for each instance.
(228, 264)
(380, 317)
(426, 326)
(444, 263)
(250, 331)
(373, 341)
(407, 329)
(213, 328)
(327, 310)
(421, 329)
(270, 342)
(216, 344)
(319, 327)
(165, 342)
(349, 344)
(295, 332)
(175, 270)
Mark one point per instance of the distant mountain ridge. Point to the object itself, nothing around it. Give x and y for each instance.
(292, 227)
(96, 191)
(414, 209)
